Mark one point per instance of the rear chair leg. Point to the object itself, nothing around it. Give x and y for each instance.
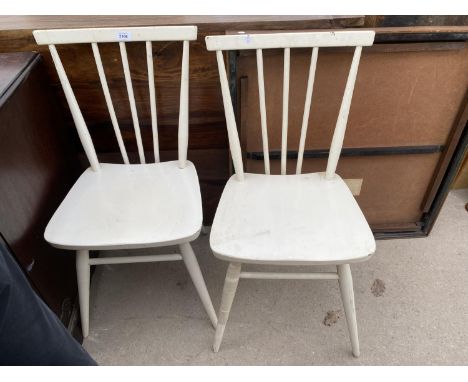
(229, 291)
(347, 295)
(82, 275)
(195, 273)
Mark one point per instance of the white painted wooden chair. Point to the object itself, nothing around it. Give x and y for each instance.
(122, 206)
(301, 219)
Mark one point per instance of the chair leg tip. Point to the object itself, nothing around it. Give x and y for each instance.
(214, 323)
(356, 354)
(215, 348)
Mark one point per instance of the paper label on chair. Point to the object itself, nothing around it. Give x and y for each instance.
(124, 36)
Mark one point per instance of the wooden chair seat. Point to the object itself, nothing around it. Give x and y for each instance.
(129, 206)
(294, 219)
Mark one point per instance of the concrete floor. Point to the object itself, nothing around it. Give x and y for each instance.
(150, 314)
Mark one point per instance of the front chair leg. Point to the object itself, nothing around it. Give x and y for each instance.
(82, 275)
(195, 273)
(347, 295)
(229, 291)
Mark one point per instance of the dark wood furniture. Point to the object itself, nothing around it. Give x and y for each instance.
(37, 168)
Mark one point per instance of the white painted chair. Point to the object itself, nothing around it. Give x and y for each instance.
(300, 219)
(122, 206)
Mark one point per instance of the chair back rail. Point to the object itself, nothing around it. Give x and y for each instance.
(286, 41)
(123, 35)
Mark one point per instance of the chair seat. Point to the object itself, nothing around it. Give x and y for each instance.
(292, 219)
(129, 206)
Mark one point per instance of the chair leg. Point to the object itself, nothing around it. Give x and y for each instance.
(347, 295)
(229, 291)
(82, 274)
(205, 230)
(195, 273)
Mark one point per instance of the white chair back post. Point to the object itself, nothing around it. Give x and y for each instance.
(286, 41)
(123, 35)
(234, 144)
(183, 110)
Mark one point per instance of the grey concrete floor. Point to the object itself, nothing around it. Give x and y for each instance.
(150, 314)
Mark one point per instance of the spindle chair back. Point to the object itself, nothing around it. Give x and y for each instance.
(287, 41)
(123, 36)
